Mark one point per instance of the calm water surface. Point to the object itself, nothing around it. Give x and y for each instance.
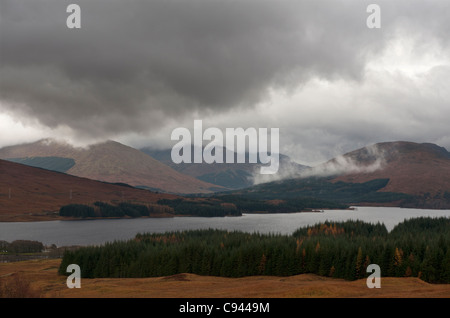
(92, 232)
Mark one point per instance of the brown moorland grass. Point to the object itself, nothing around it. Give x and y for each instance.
(45, 282)
(38, 194)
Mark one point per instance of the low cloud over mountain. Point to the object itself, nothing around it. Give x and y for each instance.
(138, 69)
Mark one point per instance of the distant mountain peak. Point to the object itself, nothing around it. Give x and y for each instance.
(412, 168)
(229, 175)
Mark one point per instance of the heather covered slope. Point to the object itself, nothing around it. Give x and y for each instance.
(412, 168)
(34, 193)
(419, 170)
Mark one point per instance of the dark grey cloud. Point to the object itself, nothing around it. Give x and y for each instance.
(133, 60)
(134, 65)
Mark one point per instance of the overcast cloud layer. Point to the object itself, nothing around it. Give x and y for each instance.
(138, 69)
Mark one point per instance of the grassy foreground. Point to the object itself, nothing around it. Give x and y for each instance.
(39, 278)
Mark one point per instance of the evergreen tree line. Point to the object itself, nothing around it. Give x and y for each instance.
(21, 246)
(428, 201)
(201, 207)
(323, 188)
(219, 206)
(102, 209)
(415, 248)
(297, 204)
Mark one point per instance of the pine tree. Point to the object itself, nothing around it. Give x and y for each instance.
(358, 267)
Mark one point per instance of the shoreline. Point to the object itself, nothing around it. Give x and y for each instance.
(13, 218)
(45, 218)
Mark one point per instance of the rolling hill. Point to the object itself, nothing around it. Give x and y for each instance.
(34, 193)
(110, 162)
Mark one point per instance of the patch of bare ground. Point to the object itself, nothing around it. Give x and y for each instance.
(39, 278)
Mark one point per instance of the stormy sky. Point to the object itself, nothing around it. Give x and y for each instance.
(138, 69)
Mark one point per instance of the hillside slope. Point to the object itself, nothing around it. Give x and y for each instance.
(26, 191)
(387, 174)
(229, 175)
(112, 162)
(411, 168)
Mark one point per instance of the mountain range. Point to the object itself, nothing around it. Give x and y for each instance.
(228, 175)
(146, 168)
(110, 162)
(397, 173)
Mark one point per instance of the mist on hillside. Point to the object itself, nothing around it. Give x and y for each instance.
(365, 160)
